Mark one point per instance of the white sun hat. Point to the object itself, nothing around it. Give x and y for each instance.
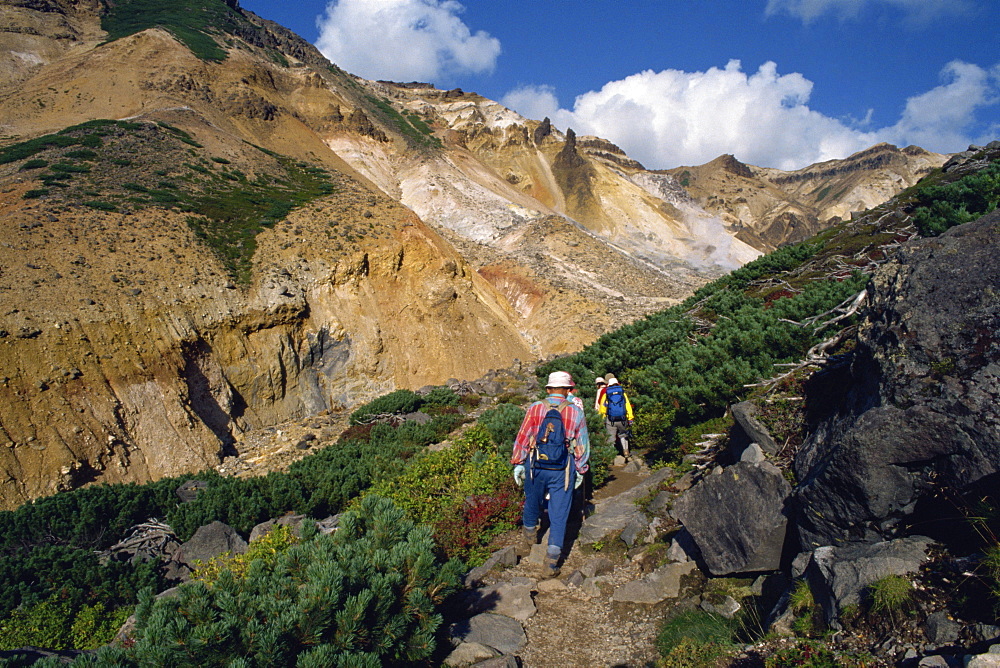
(560, 379)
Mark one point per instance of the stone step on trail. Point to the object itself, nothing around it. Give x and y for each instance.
(602, 610)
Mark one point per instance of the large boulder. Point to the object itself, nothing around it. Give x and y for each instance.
(210, 541)
(920, 415)
(737, 518)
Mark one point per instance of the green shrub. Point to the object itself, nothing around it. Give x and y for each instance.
(268, 547)
(891, 594)
(470, 400)
(432, 482)
(95, 627)
(809, 619)
(192, 22)
(36, 163)
(688, 653)
(661, 360)
(801, 598)
(82, 154)
(502, 424)
(812, 654)
(654, 432)
(60, 623)
(694, 626)
(602, 453)
(991, 562)
(367, 594)
(35, 193)
(394, 403)
(940, 207)
(441, 396)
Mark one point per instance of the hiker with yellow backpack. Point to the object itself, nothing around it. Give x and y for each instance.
(551, 455)
(616, 410)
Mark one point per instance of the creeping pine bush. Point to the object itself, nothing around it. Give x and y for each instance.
(398, 402)
(942, 207)
(366, 595)
(502, 423)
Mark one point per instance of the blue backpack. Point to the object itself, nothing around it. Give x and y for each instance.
(551, 451)
(616, 403)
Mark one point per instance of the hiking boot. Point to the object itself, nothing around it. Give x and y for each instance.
(551, 568)
(528, 539)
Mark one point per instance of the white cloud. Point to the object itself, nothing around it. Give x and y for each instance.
(670, 118)
(404, 40)
(532, 101)
(941, 118)
(920, 11)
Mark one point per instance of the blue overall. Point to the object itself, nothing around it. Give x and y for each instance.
(536, 484)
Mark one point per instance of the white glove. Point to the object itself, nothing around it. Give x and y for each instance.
(578, 481)
(519, 475)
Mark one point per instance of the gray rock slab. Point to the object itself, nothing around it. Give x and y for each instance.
(839, 575)
(293, 521)
(469, 653)
(727, 607)
(502, 598)
(926, 373)
(753, 454)
(636, 527)
(597, 566)
(660, 503)
(613, 514)
(682, 548)
(497, 631)
(506, 556)
(940, 629)
(537, 556)
(633, 466)
(745, 414)
(658, 586)
(499, 662)
(592, 586)
(983, 661)
(575, 579)
(551, 585)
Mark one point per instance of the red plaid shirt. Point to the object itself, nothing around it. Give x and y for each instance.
(574, 423)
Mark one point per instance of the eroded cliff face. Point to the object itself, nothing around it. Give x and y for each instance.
(128, 354)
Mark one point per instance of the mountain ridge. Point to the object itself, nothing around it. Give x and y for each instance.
(160, 327)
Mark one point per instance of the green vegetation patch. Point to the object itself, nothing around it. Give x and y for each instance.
(695, 628)
(195, 23)
(367, 594)
(227, 209)
(412, 128)
(940, 207)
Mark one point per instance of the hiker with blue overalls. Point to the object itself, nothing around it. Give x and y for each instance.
(551, 454)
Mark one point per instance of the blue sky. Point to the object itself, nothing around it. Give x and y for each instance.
(777, 83)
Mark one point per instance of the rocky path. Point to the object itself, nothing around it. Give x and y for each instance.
(605, 607)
